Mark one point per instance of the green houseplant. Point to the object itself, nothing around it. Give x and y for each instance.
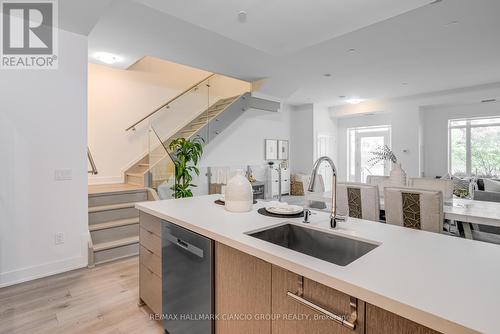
(186, 155)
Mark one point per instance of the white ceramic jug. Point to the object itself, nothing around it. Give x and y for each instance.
(238, 193)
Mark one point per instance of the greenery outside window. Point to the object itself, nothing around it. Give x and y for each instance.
(474, 147)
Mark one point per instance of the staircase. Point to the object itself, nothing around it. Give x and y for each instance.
(114, 222)
(206, 125)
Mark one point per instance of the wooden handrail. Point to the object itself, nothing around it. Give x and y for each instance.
(167, 103)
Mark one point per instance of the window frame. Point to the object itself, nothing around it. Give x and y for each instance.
(468, 126)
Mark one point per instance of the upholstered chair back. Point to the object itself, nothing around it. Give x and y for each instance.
(380, 181)
(358, 200)
(443, 185)
(414, 208)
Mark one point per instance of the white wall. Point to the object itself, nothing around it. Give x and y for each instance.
(118, 98)
(301, 139)
(43, 127)
(435, 131)
(242, 143)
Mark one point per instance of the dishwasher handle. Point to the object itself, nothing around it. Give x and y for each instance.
(184, 245)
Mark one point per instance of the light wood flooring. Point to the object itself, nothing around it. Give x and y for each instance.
(99, 300)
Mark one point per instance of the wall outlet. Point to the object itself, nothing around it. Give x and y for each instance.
(59, 238)
(63, 174)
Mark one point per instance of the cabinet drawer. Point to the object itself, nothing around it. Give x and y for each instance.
(150, 241)
(150, 260)
(150, 289)
(150, 223)
(304, 319)
(379, 321)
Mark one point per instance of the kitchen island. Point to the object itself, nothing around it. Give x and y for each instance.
(414, 275)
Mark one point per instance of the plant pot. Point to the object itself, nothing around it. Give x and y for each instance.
(397, 176)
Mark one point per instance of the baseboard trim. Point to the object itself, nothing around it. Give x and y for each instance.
(46, 269)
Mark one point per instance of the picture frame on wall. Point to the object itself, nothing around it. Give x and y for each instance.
(282, 149)
(271, 149)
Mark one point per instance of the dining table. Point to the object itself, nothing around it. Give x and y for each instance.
(458, 209)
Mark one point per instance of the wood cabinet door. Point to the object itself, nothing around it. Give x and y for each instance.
(242, 292)
(379, 321)
(291, 317)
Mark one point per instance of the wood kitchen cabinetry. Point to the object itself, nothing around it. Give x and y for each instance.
(253, 296)
(150, 262)
(379, 321)
(293, 317)
(242, 292)
(247, 285)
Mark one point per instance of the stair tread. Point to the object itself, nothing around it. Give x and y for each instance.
(135, 174)
(111, 207)
(115, 243)
(113, 223)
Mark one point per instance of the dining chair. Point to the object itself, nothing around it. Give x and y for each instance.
(443, 185)
(381, 181)
(358, 200)
(486, 233)
(414, 208)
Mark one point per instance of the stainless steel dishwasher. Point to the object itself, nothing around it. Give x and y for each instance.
(187, 281)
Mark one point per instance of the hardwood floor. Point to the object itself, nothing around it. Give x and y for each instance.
(99, 300)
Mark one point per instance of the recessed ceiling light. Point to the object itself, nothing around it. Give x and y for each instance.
(107, 58)
(451, 23)
(354, 101)
(352, 50)
(342, 96)
(242, 16)
(327, 75)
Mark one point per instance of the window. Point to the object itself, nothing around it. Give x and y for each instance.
(361, 142)
(474, 147)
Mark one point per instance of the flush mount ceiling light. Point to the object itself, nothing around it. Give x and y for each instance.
(107, 58)
(354, 101)
(327, 75)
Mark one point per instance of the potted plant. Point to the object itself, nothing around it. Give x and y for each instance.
(186, 155)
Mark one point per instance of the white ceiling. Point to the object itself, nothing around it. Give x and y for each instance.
(280, 27)
(416, 52)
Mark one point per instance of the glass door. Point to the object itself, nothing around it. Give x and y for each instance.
(363, 142)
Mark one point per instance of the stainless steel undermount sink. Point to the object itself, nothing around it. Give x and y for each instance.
(325, 246)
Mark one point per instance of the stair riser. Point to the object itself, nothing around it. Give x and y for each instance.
(104, 216)
(116, 253)
(136, 180)
(115, 233)
(117, 198)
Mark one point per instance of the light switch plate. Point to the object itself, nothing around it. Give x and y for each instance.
(59, 238)
(63, 174)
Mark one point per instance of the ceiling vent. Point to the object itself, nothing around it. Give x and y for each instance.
(489, 100)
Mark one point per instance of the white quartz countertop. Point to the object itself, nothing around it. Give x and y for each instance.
(446, 283)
